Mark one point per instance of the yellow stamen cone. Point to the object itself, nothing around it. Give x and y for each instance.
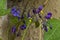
(30, 20)
(42, 12)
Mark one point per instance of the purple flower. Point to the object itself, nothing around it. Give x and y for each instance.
(47, 16)
(13, 29)
(15, 12)
(13, 9)
(49, 13)
(22, 27)
(39, 9)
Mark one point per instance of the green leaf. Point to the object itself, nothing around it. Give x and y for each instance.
(4, 12)
(3, 4)
(53, 34)
(3, 8)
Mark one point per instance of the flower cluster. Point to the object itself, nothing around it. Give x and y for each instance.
(48, 16)
(16, 13)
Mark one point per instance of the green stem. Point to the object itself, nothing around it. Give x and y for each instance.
(25, 31)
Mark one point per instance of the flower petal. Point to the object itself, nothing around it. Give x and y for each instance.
(13, 29)
(23, 27)
(49, 13)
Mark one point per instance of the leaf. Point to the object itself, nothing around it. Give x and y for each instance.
(3, 4)
(3, 8)
(4, 12)
(53, 34)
